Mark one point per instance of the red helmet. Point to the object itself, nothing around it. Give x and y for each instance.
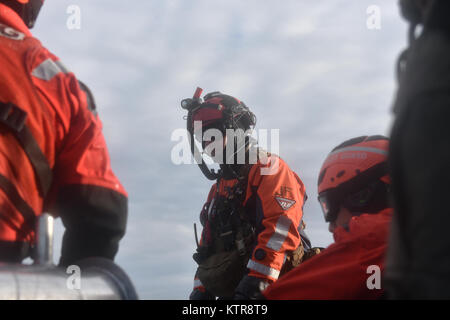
(223, 112)
(28, 10)
(218, 111)
(355, 176)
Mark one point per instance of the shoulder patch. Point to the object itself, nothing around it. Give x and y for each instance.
(284, 203)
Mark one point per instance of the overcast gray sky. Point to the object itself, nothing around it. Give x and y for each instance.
(312, 69)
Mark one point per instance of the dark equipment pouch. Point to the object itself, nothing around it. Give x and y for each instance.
(223, 263)
(221, 272)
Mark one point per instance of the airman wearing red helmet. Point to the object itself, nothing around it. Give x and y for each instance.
(251, 221)
(53, 157)
(353, 189)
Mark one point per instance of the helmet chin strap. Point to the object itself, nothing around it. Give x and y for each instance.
(230, 168)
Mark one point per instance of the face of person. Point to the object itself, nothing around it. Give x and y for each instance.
(342, 219)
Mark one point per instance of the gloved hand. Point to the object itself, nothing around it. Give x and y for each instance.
(250, 288)
(196, 294)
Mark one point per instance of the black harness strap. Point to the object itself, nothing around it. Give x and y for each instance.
(11, 192)
(14, 118)
(14, 252)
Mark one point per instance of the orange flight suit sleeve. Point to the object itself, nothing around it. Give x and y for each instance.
(281, 195)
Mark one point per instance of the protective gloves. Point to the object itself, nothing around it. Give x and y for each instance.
(250, 288)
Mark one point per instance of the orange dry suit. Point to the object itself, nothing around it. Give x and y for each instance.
(53, 156)
(273, 204)
(350, 268)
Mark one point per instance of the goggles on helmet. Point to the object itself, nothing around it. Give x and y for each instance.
(356, 202)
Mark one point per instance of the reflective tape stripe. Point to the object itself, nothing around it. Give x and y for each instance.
(365, 149)
(197, 283)
(280, 234)
(265, 270)
(48, 69)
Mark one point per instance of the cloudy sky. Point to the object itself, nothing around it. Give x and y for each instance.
(312, 69)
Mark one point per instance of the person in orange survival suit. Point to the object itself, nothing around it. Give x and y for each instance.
(353, 190)
(53, 157)
(266, 198)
